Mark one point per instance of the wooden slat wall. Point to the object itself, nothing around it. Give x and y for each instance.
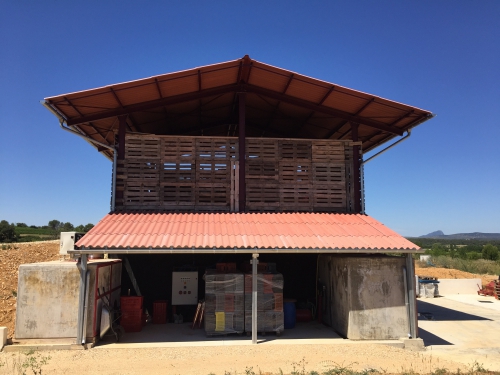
(194, 174)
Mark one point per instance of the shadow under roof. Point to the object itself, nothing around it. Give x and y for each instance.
(203, 101)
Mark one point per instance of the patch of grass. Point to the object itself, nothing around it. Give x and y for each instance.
(25, 363)
(480, 266)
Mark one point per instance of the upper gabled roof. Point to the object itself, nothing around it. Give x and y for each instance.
(279, 103)
(242, 233)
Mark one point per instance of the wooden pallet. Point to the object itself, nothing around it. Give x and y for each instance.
(177, 173)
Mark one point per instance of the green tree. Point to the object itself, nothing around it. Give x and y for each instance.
(66, 227)
(54, 224)
(84, 228)
(21, 225)
(490, 252)
(8, 232)
(473, 256)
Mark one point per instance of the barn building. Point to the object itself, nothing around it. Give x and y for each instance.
(245, 163)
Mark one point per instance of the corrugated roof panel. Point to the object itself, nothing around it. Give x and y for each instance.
(267, 79)
(95, 104)
(99, 104)
(182, 85)
(137, 95)
(302, 89)
(382, 112)
(243, 230)
(344, 102)
(218, 78)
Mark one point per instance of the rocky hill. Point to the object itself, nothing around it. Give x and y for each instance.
(463, 236)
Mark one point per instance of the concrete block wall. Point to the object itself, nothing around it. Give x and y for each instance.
(48, 295)
(3, 337)
(365, 296)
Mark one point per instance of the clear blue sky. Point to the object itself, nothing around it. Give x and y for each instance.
(442, 56)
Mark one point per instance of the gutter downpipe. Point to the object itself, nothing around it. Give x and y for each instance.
(62, 120)
(255, 261)
(82, 266)
(362, 167)
(412, 296)
(408, 134)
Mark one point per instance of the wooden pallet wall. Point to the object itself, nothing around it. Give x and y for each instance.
(299, 175)
(200, 174)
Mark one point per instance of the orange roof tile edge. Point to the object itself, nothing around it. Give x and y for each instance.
(307, 231)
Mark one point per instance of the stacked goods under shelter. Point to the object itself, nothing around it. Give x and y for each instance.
(243, 162)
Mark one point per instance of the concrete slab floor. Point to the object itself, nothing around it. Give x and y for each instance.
(176, 335)
(462, 325)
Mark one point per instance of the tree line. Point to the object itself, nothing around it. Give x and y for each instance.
(471, 251)
(15, 232)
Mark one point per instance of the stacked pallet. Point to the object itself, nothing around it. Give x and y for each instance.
(176, 173)
(132, 316)
(270, 316)
(224, 303)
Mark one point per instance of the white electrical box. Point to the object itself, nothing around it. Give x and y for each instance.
(68, 240)
(184, 288)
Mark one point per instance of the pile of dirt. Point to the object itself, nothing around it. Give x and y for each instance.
(449, 273)
(11, 257)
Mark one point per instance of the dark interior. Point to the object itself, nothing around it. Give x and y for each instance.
(153, 273)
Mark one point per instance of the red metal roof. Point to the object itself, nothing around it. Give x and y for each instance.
(244, 232)
(201, 101)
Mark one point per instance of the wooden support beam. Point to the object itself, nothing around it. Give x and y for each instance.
(356, 169)
(322, 109)
(242, 150)
(122, 129)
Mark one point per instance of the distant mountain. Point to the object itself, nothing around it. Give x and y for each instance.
(436, 234)
(463, 236)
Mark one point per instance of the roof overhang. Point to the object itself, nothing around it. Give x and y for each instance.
(241, 233)
(279, 103)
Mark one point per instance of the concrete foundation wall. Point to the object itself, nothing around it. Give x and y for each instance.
(47, 299)
(458, 286)
(366, 296)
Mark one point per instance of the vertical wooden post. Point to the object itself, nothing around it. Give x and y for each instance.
(242, 150)
(356, 169)
(122, 129)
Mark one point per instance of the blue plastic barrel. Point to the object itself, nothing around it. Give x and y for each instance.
(289, 313)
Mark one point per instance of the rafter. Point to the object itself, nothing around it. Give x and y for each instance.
(322, 109)
(153, 104)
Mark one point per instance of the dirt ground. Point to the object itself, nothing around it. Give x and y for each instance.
(249, 360)
(448, 273)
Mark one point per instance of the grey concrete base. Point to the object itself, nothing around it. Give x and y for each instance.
(3, 337)
(458, 286)
(41, 344)
(414, 345)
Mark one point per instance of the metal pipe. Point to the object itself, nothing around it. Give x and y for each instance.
(86, 308)
(113, 183)
(408, 315)
(362, 177)
(238, 251)
(408, 133)
(62, 120)
(82, 266)
(255, 261)
(412, 298)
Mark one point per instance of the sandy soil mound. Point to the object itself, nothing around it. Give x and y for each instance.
(448, 273)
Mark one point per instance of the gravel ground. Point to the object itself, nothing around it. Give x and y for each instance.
(239, 360)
